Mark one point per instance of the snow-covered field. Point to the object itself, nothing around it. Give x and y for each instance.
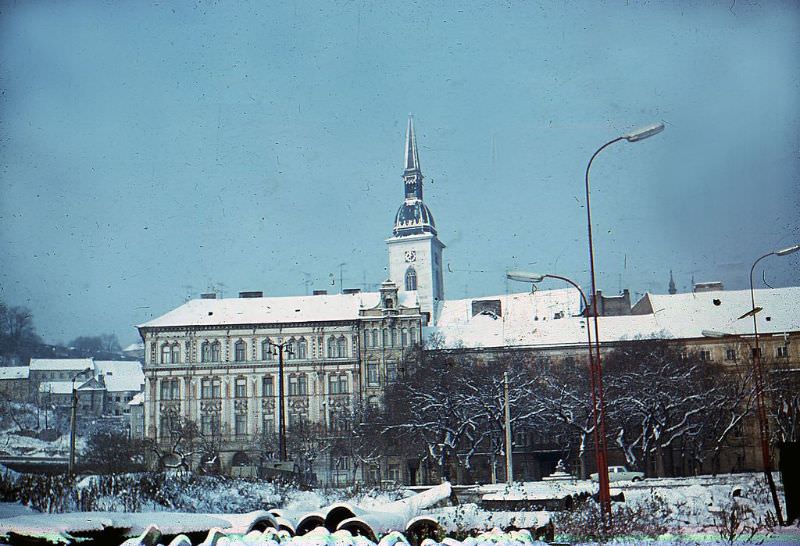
(689, 509)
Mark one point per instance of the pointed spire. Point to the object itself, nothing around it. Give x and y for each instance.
(411, 155)
(672, 289)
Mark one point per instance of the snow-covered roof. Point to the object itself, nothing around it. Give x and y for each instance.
(229, 311)
(121, 375)
(14, 372)
(65, 387)
(61, 364)
(679, 316)
(687, 315)
(133, 347)
(543, 317)
(137, 400)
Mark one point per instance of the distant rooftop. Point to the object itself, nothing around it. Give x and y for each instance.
(547, 318)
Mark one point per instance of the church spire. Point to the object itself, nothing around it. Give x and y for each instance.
(411, 156)
(672, 289)
(412, 174)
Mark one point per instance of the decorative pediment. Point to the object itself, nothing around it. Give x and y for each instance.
(170, 407)
(299, 404)
(211, 406)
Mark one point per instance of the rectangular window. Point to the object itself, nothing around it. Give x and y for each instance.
(210, 388)
(755, 352)
(391, 372)
(298, 385)
(241, 388)
(209, 424)
(166, 430)
(372, 373)
(269, 424)
(166, 392)
(296, 420)
(782, 352)
(240, 424)
(267, 386)
(393, 473)
(705, 355)
(730, 354)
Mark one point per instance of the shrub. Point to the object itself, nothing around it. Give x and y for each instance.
(584, 522)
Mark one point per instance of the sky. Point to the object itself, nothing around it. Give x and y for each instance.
(152, 151)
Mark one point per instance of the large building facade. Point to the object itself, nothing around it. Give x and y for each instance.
(214, 362)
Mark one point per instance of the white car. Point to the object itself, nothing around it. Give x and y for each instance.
(620, 474)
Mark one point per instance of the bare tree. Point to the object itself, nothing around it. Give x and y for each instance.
(18, 337)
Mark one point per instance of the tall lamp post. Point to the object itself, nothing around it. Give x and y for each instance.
(280, 348)
(758, 373)
(602, 471)
(534, 278)
(73, 421)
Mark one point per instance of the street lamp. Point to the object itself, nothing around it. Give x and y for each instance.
(602, 471)
(601, 459)
(74, 421)
(758, 373)
(280, 348)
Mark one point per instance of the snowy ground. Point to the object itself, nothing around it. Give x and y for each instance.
(694, 506)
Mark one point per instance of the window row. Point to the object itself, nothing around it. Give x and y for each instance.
(373, 373)
(296, 385)
(294, 349)
(388, 337)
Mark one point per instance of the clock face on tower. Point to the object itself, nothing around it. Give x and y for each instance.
(411, 255)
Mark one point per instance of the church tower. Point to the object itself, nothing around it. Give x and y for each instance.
(415, 252)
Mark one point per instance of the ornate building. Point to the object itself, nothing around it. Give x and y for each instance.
(214, 362)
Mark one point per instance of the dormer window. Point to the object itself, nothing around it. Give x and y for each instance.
(388, 303)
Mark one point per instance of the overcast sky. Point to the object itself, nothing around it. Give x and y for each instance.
(150, 152)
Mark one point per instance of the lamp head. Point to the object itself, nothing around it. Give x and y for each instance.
(644, 132)
(788, 250)
(524, 276)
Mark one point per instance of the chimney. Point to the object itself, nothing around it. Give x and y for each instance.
(208, 296)
(251, 294)
(351, 291)
(320, 292)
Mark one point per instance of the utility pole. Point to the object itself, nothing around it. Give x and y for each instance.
(73, 422)
(509, 447)
(72, 425)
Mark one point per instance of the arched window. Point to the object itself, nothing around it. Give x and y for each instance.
(266, 350)
(341, 347)
(302, 348)
(413, 334)
(291, 350)
(385, 337)
(215, 351)
(331, 347)
(375, 337)
(239, 351)
(205, 352)
(176, 353)
(366, 338)
(166, 354)
(404, 337)
(394, 337)
(411, 279)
